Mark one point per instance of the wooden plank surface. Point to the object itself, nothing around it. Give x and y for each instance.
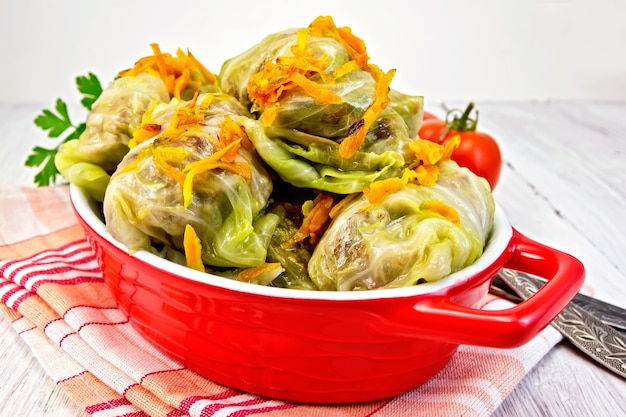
(563, 184)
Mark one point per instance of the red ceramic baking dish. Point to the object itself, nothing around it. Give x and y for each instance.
(324, 346)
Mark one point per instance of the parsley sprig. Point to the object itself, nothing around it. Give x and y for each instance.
(58, 122)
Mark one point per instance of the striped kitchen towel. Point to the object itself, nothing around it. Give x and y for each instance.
(52, 292)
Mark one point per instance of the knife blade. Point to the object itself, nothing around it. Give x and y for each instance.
(582, 328)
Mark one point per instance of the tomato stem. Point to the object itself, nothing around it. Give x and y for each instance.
(463, 123)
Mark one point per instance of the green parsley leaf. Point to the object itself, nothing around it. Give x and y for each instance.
(58, 122)
(49, 172)
(55, 124)
(90, 87)
(44, 156)
(38, 156)
(76, 133)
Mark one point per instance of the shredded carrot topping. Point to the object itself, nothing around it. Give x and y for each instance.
(324, 26)
(193, 249)
(231, 132)
(345, 69)
(213, 161)
(337, 208)
(148, 128)
(429, 154)
(143, 133)
(442, 209)
(352, 143)
(432, 152)
(315, 90)
(265, 272)
(186, 118)
(379, 189)
(315, 220)
(167, 158)
(178, 73)
(287, 73)
(426, 175)
(198, 65)
(303, 70)
(170, 156)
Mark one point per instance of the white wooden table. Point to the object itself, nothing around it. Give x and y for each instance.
(563, 184)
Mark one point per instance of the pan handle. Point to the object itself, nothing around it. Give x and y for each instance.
(443, 320)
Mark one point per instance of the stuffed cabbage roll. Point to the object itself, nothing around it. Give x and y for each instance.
(197, 186)
(89, 160)
(412, 234)
(327, 117)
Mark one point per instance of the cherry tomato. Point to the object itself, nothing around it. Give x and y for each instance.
(428, 116)
(478, 151)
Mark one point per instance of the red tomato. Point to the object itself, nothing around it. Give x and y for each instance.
(429, 116)
(477, 151)
(432, 130)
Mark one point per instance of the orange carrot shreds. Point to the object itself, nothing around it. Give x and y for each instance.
(143, 133)
(211, 162)
(180, 83)
(167, 158)
(379, 189)
(178, 73)
(269, 114)
(230, 132)
(353, 142)
(428, 152)
(194, 100)
(315, 222)
(299, 50)
(263, 274)
(188, 115)
(337, 208)
(148, 128)
(442, 209)
(288, 72)
(188, 118)
(324, 26)
(426, 175)
(193, 249)
(431, 153)
(200, 67)
(449, 147)
(184, 119)
(355, 43)
(345, 69)
(315, 90)
(239, 168)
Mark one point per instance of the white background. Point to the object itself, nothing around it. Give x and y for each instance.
(446, 50)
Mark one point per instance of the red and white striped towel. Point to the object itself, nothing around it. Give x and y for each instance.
(52, 291)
